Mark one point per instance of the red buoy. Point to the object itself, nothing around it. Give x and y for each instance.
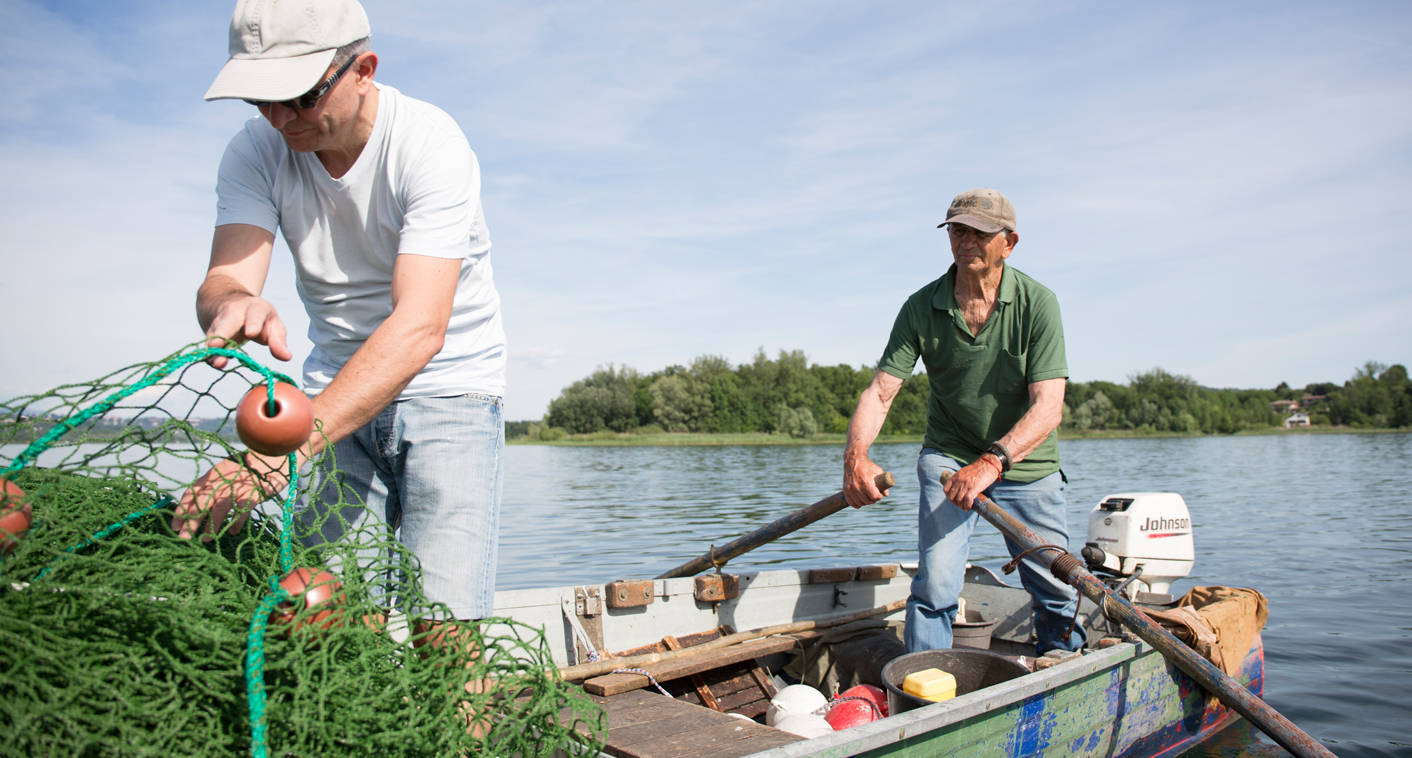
(316, 590)
(15, 517)
(280, 432)
(857, 705)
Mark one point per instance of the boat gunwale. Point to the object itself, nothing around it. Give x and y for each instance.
(928, 719)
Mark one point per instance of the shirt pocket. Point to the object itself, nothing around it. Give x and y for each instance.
(1010, 372)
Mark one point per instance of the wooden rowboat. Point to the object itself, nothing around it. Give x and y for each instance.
(1119, 698)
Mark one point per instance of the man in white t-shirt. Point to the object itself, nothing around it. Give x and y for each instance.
(378, 198)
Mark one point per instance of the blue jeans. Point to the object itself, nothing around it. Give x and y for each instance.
(428, 470)
(944, 536)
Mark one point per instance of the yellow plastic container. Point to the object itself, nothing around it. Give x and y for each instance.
(930, 684)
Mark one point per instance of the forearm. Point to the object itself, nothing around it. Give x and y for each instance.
(240, 260)
(1044, 415)
(1027, 434)
(376, 374)
(865, 425)
(215, 291)
(859, 471)
(873, 406)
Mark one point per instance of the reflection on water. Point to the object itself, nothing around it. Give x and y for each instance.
(1319, 523)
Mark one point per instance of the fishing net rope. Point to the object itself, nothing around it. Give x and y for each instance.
(119, 638)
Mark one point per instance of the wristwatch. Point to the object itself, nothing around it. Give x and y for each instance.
(998, 450)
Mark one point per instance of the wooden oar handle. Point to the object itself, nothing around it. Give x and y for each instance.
(717, 556)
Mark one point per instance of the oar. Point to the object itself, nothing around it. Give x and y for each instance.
(771, 531)
(1071, 570)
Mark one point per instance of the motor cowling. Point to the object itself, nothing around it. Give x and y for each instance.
(1147, 535)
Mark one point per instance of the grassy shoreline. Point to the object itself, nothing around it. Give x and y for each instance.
(701, 439)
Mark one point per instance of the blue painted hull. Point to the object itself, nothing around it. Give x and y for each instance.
(1124, 701)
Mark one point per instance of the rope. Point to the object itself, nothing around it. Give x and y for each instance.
(255, 669)
(128, 636)
(161, 372)
(644, 672)
(877, 712)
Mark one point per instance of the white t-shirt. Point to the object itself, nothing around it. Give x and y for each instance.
(415, 189)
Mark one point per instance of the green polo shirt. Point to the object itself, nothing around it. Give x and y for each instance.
(979, 384)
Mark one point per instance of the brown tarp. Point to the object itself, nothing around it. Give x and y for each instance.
(1219, 623)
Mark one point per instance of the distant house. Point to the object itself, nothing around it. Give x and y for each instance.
(1284, 406)
(1297, 419)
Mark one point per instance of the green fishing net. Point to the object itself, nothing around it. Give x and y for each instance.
(119, 638)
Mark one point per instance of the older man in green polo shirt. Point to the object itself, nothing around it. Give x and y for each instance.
(993, 346)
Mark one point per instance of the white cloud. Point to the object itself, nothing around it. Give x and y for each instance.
(1218, 196)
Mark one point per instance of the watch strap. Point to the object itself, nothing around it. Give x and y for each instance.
(998, 450)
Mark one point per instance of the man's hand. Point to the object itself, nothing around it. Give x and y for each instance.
(972, 480)
(248, 318)
(859, 481)
(228, 486)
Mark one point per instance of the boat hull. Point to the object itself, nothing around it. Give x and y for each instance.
(1124, 701)
(1120, 700)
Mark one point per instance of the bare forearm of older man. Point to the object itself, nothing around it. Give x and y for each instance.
(1045, 413)
(859, 471)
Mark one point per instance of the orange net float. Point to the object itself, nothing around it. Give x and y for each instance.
(15, 515)
(274, 431)
(318, 591)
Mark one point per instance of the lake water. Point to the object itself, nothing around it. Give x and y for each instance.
(1319, 523)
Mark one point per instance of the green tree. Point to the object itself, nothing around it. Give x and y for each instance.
(730, 412)
(602, 401)
(768, 384)
(1095, 413)
(796, 422)
(680, 403)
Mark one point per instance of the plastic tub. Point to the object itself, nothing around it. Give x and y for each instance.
(973, 669)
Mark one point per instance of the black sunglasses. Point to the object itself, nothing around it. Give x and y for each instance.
(311, 98)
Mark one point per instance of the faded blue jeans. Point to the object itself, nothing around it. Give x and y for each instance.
(944, 537)
(430, 470)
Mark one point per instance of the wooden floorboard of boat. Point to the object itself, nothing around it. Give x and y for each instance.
(647, 724)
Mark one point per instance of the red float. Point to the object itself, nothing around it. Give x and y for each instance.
(857, 705)
(316, 590)
(15, 516)
(278, 433)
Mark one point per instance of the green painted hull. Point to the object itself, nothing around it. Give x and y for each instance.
(1123, 701)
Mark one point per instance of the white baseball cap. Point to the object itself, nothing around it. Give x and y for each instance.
(280, 49)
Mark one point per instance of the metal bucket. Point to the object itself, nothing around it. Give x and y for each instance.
(974, 632)
(973, 669)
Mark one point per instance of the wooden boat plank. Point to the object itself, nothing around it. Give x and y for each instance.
(614, 684)
(735, 689)
(644, 724)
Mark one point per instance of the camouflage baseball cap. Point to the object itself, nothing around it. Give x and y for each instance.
(983, 209)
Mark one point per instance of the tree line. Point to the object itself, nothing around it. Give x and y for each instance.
(788, 396)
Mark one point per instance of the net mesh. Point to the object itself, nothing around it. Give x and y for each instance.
(117, 637)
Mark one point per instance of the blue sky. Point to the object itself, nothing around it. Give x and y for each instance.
(1219, 190)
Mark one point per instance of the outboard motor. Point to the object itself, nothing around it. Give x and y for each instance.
(1142, 541)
